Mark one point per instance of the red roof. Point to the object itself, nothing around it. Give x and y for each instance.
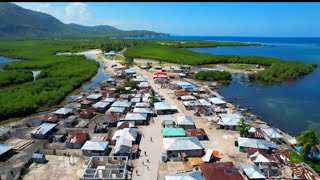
(160, 73)
(220, 170)
(302, 171)
(196, 132)
(181, 93)
(77, 138)
(124, 125)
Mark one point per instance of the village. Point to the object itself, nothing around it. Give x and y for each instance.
(148, 122)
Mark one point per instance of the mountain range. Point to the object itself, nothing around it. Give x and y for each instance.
(17, 21)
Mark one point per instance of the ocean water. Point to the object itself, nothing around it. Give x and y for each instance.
(292, 106)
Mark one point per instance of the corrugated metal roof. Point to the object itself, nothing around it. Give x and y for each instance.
(109, 99)
(94, 96)
(128, 133)
(135, 117)
(185, 120)
(63, 111)
(4, 148)
(116, 109)
(255, 143)
(95, 145)
(272, 133)
(37, 156)
(252, 171)
(215, 100)
(121, 104)
(163, 106)
(142, 110)
(182, 143)
(142, 105)
(135, 100)
(174, 132)
(43, 128)
(101, 104)
(191, 175)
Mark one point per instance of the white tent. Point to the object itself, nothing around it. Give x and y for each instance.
(253, 171)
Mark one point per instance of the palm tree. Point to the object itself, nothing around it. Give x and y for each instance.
(309, 142)
(243, 128)
(152, 97)
(127, 82)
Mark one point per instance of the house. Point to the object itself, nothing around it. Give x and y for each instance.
(185, 67)
(85, 104)
(220, 170)
(143, 85)
(43, 131)
(109, 99)
(302, 171)
(129, 72)
(190, 105)
(186, 85)
(125, 124)
(164, 108)
(185, 122)
(94, 97)
(71, 121)
(272, 134)
(173, 132)
(39, 158)
(63, 112)
(256, 133)
(218, 102)
(229, 121)
(180, 92)
(122, 104)
(187, 98)
(128, 133)
(160, 74)
(244, 143)
(6, 151)
(252, 171)
(188, 175)
(259, 156)
(110, 54)
(95, 148)
(107, 168)
(123, 147)
(199, 133)
(142, 105)
(203, 102)
(101, 106)
(87, 113)
(76, 140)
(135, 100)
(138, 118)
(116, 110)
(142, 110)
(140, 78)
(50, 118)
(167, 121)
(190, 146)
(176, 69)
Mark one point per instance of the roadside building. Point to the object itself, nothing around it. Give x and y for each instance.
(187, 98)
(128, 133)
(188, 175)
(220, 170)
(199, 133)
(173, 132)
(110, 54)
(63, 112)
(252, 171)
(272, 134)
(116, 110)
(245, 143)
(191, 105)
(125, 124)
(164, 108)
(76, 140)
(94, 97)
(229, 121)
(43, 131)
(189, 146)
(138, 118)
(142, 110)
(123, 147)
(95, 148)
(185, 122)
(167, 121)
(218, 102)
(129, 72)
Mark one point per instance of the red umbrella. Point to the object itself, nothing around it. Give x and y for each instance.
(160, 73)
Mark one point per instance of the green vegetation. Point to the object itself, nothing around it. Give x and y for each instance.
(195, 43)
(61, 74)
(220, 76)
(243, 128)
(309, 142)
(277, 71)
(121, 58)
(297, 158)
(152, 97)
(241, 66)
(128, 82)
(15, 77)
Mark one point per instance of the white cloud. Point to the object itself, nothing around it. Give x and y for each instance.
(77, 13)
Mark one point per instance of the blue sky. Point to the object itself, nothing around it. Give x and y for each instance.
(205, 19)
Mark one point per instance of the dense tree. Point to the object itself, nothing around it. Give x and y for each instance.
(243, 128)
(309, 142)
(152, 97)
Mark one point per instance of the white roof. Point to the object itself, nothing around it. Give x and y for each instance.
(116, 109)
(43, 128)
(142, 110)
(255, 143)
(229, 119)
(141, 78)
(63, 111)
(215, 100)
(191, 175)
(260, 157)
(101, 104)
(182, 143)
(109, 99)
(142, 104)
(144, 84)
(135, 117)
(204, 102)
(185, 120)
(207, 156)
(121, 104)
(110, 79)
(95, 145)
(128, 133)
(163, 106)
(188, 97)
(191, 103)
(272, 133)
(4, 148)
(123, 145)
(94, 96)
(253, 171)
(131, 123)
(166, 118)
(135, 100)
(252, 130)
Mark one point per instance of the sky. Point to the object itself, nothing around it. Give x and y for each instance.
(198, 19)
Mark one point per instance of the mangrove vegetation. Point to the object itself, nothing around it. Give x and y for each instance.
(220, 76)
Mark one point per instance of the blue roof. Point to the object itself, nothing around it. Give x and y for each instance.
(130, 71)
(298, 148)
(186, 85)
(4, 148)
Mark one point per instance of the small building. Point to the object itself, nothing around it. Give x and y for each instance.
(190, 146)
(87, 113)
(101, 106)
(185, 122)
(244, 143)
(94, 97)
(128, 133)
(116, 110)
(6, 151)
(71, 121)
(129, 72)
(95, 148)
(218, 101)
(173, 132)
(50, 118)
(199, 133)
(125, 124)
(138, 118)
(106, 168)
(164, 108)
(229, 121)
(256, 133)
(188, 175)
(63, 112)
(302, 171)
(76, 140)
(259, 156)
(109, 99)
(167, 121)
(140, 78)
(85, 104)
(190, 105)
(187, 98)
(144, 85)
(142, 105)
(122, 104)
(39, 158)
(123, 147)
(203, 103)
(135, 100)
(186, 85)
(272, 134)
(110, 54)
(142, 110)
(220, 170)
(252, 171)
(43, 131)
